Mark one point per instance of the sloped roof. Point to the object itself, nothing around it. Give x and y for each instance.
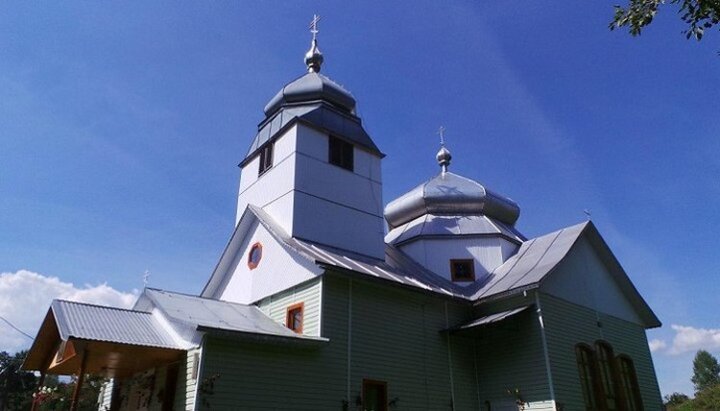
(210, 314)
(100, 323)
(534, 260)
(490, 319)
(444, 225)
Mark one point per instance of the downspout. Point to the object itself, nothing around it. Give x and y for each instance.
(545, 348)
(199, 373)
(452, 383)
(349, 340)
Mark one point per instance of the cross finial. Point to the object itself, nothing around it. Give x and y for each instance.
(146, 278)
(587, 213)
(441, 132)
(313, 26)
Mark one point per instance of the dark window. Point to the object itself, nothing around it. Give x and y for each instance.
(266, 158)
(341, 153)
(462, 270)
(254, 256)
(607, 371)
(585, 357)
(374, 395)
(629, 383)
(294, 318)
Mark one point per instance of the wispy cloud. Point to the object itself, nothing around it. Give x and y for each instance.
(657, 345)
(688, 339)
(25, 297)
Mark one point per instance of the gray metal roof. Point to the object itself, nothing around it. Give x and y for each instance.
(99, 323)
(309, 87)
(534, 260)
(492, 318)
(450, 194)
(443, 225)
(206, 313)
(317, 115)
(398, 268)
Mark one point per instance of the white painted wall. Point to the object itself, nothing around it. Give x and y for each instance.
(583, 279)
(278, 270)
(315, 200)
(435, 253)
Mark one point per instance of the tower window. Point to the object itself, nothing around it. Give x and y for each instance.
(294, 318)
(340, 153)
(462, 270)
(266, 158)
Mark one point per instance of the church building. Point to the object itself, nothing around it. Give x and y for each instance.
(325, 298)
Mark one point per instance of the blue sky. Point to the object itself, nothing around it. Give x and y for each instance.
(121, 126)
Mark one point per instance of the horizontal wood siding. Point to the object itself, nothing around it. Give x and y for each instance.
(308, 293)
(188, 393)
(396, 338)
(510, 356)
(568, 324)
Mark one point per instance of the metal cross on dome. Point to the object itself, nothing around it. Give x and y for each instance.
(313, 25)
(441, 132)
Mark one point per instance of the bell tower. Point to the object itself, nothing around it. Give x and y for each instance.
(312, 166)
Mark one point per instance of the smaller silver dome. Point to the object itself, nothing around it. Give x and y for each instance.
(453, 195)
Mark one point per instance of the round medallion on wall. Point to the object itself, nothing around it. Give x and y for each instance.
(254, 256)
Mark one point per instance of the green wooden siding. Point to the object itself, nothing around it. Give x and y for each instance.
(568, 324)
(308, 293)
(509, 356)
(395, 337)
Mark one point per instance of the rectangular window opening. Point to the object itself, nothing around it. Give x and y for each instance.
(341, 153)
(374, 395)
(266, 158)
(462, 270)
(294, 318)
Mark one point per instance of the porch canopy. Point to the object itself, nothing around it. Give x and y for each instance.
(486, 320)
(77, 338)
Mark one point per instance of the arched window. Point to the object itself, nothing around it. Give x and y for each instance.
(629, 383)
(588, 375)
(608, 375)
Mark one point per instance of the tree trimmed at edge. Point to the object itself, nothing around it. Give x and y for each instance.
(706, 371)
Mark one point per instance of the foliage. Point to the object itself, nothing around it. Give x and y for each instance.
(708, 399)
(699, 15)
(706, 371)
(675, 399)
(59, 397)
(16, 386)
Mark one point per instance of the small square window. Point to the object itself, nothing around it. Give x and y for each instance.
(341, 153)
(462, 270)
(266, 158)
(294, 318)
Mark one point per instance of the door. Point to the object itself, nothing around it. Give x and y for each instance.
(374, 395)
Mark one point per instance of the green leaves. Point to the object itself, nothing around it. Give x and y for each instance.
(699, 15)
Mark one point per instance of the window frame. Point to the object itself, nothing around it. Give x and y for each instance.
(289, 316)
(629, 383)
(608, 373)
(453, 271)
(253, 264)
(345, 151)
(589, 378)
(366, 383)
(265, 158)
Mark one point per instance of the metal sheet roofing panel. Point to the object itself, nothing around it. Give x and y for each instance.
(93, 322)
(216, 314)
(493, 318)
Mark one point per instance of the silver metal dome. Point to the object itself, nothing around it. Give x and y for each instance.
(453, 195)
(309, 88)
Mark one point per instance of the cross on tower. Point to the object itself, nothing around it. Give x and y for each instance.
(441, 132)
(313, 25)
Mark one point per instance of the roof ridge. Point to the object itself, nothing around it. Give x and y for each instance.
(110, 307)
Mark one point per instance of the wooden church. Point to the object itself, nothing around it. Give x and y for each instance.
(323, 299)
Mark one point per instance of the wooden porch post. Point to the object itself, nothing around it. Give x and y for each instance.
(79, 383)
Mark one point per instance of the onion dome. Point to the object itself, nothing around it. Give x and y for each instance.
(452, 195)
(311, 87)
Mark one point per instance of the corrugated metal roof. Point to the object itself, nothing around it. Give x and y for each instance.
(403, 271)
(533, 261)
(447, 225)
(493, 318)
(207, 313)
(99, 323)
